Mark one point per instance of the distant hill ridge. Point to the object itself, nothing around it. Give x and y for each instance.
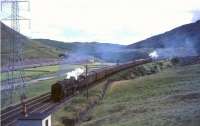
(184, 40)
(31, 49)
(180, 41)
(183, 36)
(76, 46)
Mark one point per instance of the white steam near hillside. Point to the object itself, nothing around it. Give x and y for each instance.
(75, 73)
(154, 55)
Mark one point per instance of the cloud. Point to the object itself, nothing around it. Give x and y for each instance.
(116, 21)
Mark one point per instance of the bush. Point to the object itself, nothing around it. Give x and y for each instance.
(175, 60)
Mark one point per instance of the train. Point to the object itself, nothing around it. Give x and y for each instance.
(69, 87)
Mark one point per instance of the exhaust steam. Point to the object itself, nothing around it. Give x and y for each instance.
(154, 55)
(75, 73)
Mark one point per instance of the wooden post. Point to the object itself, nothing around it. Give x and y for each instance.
(117, 62)
(86, 72)
(24, 106)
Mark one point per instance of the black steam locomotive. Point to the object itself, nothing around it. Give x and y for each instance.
(68, 87)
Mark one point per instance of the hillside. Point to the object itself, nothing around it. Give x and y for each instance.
(102, 51)
(180, 41)
(168, 98)
(184, 39)
(83, 47)
(153, 94)
(31, 49)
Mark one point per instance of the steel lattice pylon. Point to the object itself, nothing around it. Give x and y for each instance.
(14, 44)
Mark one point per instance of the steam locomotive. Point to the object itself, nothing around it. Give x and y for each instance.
(69, 87)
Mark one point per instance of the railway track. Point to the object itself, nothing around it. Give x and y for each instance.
(36, 104)
(39, 104)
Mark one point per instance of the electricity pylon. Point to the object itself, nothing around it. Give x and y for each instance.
(14, 54)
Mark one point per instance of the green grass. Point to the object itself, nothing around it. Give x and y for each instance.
(32, 90)
(70, 110)
(31, 48)
(41, 87)
(52, 68)
(163, 99)
(78, 103)
(34, 72)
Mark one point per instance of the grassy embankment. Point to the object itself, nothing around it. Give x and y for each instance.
(168, 98)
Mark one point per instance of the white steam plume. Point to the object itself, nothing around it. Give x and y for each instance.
(75, 73)
(154, 55)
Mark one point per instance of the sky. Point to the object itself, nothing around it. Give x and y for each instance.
(109, 21)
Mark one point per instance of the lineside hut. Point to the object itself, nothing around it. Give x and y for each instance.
(34, 119)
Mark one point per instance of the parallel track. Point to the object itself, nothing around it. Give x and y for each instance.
(36, 104)
(40, 104)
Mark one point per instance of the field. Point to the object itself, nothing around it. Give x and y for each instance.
(32, 73)
(170, 97)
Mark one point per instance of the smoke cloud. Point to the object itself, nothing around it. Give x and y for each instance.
(75, 73)
(169, 52)
(154, 55)
(78, 58)
(89, 52)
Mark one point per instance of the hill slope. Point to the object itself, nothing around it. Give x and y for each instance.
(181, 41)
(169, 98)
(186, 37)
(103, 51)
(31, 48)
(83, 47)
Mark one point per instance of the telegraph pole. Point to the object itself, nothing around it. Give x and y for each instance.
(86, 73)
(117, 62)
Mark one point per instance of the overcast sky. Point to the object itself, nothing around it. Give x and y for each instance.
(112, 21)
